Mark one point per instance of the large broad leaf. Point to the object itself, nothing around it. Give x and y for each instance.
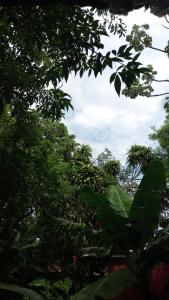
(119, 200)
(93, 199)
(107, 214)
(79, 230)
(145, 210)
(75, 227)
(107, 287)
(111, 214)
(21, 290)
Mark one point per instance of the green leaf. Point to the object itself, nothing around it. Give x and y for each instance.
(117, 59)
(81, 72)
(74, 227)
(136, 56)
(124, 78)
(97, 69)
(114, 52)
(130, 77)
(21, 290)
(89, 73)
(117, 85)
(128, 49)
(121, 50)
(145, 210)
(112, 77)
(144, 70)
(109, 62)
(109, 215)
(107, 287)
(119, 199)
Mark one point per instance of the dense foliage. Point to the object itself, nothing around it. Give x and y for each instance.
(51, 241)
(39, 51)
(67, 220)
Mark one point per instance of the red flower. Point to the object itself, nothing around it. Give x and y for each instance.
(158, 278)
(132, 292)
(74, 258)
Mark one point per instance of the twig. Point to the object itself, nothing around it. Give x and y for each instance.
(157, 95)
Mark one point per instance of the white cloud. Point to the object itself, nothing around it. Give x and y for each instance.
(102, 119)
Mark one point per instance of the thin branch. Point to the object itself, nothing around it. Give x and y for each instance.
(162, 80)
(157, 49)
(166, 19)
(153, 48)
(157, 95)
(165, 27)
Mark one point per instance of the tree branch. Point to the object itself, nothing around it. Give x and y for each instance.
(157, 95)
(157, 49)
(166, 19)
(162, 80)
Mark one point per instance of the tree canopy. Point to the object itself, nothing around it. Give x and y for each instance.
(39, 51)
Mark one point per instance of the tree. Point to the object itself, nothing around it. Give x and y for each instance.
(35, 161)
(138, 161)
(140, 40)
(38, 52)
(109, 165)
(104, 157)
(139, 158)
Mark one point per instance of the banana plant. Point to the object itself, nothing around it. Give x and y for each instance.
(133, 223)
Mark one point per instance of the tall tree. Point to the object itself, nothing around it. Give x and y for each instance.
(34, 183)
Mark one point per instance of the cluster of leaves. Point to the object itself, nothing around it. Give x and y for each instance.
(127, 72)
(43, 221)
(49, 288)
(34, 178)
(39, 51)
(42, 168)
(139, 39)
(42, 171)
(140, 157)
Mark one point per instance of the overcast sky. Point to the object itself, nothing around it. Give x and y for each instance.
(102, 119)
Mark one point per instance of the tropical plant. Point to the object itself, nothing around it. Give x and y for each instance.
(137, 235)
(161, 135)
